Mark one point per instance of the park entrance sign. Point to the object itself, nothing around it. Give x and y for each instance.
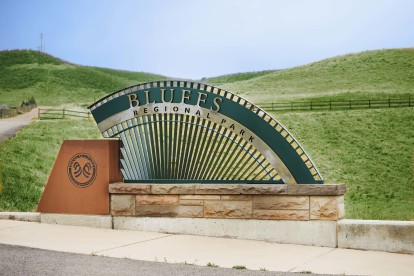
(189, 158)
(188, 132)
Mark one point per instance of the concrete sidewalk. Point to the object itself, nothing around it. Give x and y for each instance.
(150, 246)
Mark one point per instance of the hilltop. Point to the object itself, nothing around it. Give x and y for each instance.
(369, 74)
(52, 81)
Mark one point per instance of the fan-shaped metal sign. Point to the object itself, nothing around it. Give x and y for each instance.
(187, 132)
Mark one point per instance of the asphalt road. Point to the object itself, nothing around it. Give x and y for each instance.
(17, 260)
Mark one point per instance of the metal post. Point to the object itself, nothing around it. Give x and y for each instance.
(389, 102)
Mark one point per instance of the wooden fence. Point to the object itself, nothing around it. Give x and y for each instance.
(282, 106)
(336, 105)
(11, 112)
(45, 114)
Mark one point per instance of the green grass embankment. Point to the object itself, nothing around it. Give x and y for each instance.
(27, 159)
(371, 151)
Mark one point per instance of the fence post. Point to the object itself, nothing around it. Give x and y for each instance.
(311, 105)
(409, 101)
(291, 106)
(63, 114)
(369, 103)
(350, 104)
(330, 104)
(389, 102)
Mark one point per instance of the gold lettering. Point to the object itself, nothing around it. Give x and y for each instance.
(163, 95)
(185, 96)
(133, 98)
(147, 96)
(216, 103)
(201, 99)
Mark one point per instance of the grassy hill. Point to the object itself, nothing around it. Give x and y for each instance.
(26, 73)
(370, 74)
(371, 151)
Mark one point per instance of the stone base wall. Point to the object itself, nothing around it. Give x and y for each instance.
(229, 201)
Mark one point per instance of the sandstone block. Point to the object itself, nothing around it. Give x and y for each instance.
(217, 189)
(122, 205)
(200, 197)
(156, 199)
(187, 189)
(169, 211)
(191, 202)
(263, 189)
(236, 197)
(322, 189)
(281, 214)
(281, 202)
(324, 207)
(227, 209)
(129, 188)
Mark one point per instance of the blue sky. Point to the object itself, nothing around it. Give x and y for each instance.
(195, 39)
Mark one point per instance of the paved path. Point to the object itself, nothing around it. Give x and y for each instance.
(10, 126)
(226, 253)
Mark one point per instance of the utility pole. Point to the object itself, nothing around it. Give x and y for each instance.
(41, 43)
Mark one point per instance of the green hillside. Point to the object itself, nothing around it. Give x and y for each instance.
(370, 74)
(26, 73)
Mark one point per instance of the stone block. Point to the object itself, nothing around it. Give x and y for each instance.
(236, 197)
(381, 235)
(324, 208)
(191, 202)
(200, 197)
(281, 214)
(169, 211)
(122, 205)
(185, 189)
(129, 188)
(227, 209)
(341, 207)
(156, 199)
(264, 189)
(322, 189)
(281, 202)
(217, 189)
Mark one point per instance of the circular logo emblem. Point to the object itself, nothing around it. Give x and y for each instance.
(82, 170)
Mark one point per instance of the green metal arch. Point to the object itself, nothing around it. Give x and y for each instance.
(268, 136)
